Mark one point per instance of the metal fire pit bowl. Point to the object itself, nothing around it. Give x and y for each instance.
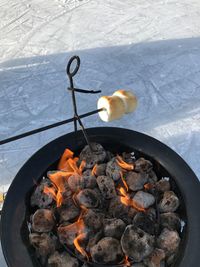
(14, 230)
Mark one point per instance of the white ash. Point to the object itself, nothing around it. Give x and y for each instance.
(136, 180)
(144, 199)
(106, 186)
(168, 241)
(136, 243)
(113, 169)
(114, 228)
(107, 250)
(169, 202)
(182, 225)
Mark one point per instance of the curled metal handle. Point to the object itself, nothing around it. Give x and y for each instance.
(73, 72)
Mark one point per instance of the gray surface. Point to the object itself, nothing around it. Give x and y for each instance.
(150, 47)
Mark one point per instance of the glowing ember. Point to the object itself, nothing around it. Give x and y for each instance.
(126, 200)
(123, 164)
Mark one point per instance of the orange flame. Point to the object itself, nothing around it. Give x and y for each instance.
(123, 164)
(65, 156)
(126, 200)
(51, 191)
(124, 182)
(78, 247)
(148, 186)
(82, 166)
(94, 170)
(58, 179)
(80, 235)
(126, 261)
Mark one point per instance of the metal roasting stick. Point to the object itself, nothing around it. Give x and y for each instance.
(20, 136)
(71, 74)
(76, 117)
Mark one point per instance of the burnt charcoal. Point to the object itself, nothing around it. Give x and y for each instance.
(136, 243)
(114, 228)
(119, 210)
(94, 239)
(156, 259)
(171, 221)
(144, 199)
(169, 241)
(171, 258)
(138, 265)
(41, 199)
(136, 180)
(88, 198)
(169, 202)
(152, 177)
(68, 211)
(43, 220)
(106, 186)
(62, 260)
(78, 182)
(93, 220)
(75, 182)
(113, 170)
(163, 185)
(109, 155)
(143, 165)
(107, 250)
(91, 158)
(43, 243)
(128, 157)
(89, 180)
(68, 233)
(101, 169)
(145, 222)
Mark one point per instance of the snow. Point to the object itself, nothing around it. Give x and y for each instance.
(150, 47)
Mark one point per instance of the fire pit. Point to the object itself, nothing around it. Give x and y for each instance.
(166, 163)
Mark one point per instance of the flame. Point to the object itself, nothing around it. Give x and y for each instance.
(82, 166)
(78, 247)
(124, 182)
(94, 170)
(126, 261)
(126, 200)
(65, 156)
(50, 190)
(79, 224)
(67, 166)
(58, 179)
(123, 164)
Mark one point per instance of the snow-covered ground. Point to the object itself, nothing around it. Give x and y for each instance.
(149, 46)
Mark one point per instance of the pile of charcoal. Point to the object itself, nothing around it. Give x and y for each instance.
(106, 209)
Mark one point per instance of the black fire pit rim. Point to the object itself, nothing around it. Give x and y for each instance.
(140, 142)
